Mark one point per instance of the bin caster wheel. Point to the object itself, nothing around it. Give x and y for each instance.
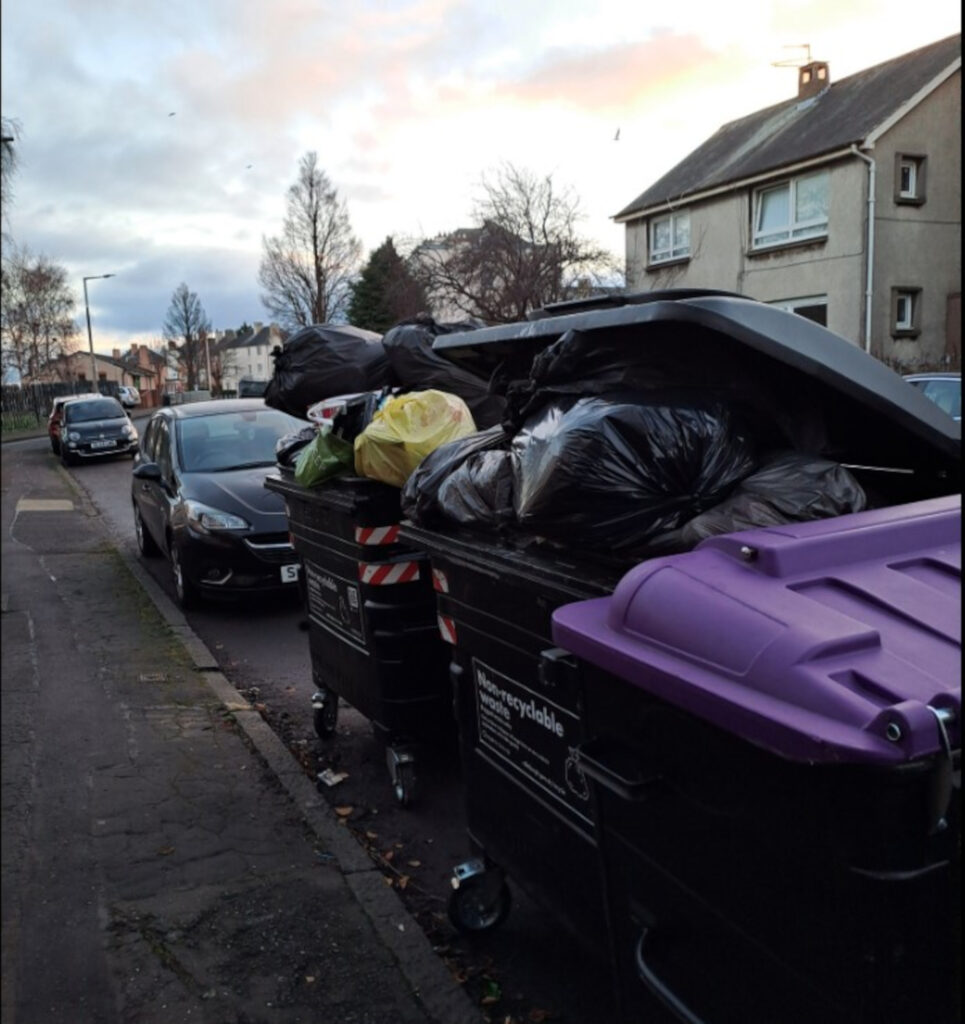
(325, 714)
(404, 783)
(479, 904)
(401, 764)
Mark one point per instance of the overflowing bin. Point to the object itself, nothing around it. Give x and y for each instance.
(520, 725)
(530, 743)
(775, 723)
(372, 618)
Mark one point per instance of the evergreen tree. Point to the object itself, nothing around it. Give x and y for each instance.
(385, 292)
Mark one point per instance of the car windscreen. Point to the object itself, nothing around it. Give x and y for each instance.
(232, 440)
(95, 409)
(945, 392)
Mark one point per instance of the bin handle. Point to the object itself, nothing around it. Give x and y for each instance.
(627, 786)
(662, 991)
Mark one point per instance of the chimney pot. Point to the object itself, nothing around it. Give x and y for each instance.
(812, 78)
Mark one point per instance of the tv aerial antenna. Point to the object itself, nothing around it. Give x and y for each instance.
(794, 62)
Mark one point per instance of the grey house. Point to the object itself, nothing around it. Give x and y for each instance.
(842, 204)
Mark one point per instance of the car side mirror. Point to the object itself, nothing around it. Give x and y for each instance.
(148, 471)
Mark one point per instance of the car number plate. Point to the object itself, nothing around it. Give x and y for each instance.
(289, 573)
(102, 444)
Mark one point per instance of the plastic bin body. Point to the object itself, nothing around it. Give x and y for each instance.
(776, 723)
(519, 715)
(372, 619)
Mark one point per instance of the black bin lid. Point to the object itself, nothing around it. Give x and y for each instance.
(875, 415)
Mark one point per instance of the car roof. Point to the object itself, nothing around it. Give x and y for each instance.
(213, 407)
(935, 375)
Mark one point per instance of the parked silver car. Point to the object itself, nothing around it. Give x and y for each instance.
(943, 388)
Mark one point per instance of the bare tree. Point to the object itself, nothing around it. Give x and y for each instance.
(307, 269)
(187, 324)
(224, 360)
(36, 313)
(8, 161)
(524, 251)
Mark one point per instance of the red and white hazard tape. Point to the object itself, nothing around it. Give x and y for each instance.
(440, 581)
(376, 534)
(383, 573)
(447, 628)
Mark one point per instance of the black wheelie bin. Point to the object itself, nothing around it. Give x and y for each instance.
(372, 618)
(776, 742)
(522, 723)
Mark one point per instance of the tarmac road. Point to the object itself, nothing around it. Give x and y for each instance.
(524, 970)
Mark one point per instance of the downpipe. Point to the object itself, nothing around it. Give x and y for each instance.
(869, 277)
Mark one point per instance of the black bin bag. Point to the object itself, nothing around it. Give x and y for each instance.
(477, 493)
(788, 488)
(613, 471)
(418, 366)
(324, 360)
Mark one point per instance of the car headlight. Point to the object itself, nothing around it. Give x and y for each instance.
(203, 517)
(128, 430)
(73, 436)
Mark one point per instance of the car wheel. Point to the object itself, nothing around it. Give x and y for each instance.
(145, 542)
(184, 589)
(66, 458)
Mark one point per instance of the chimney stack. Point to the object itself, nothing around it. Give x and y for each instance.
(116, 353)
(812, 78)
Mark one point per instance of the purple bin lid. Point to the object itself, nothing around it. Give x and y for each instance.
(829, 641)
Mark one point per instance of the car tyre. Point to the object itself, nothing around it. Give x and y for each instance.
(66, 458)
(145, 542)
(184, 590)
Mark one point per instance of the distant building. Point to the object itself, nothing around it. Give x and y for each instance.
(247, 355)
(842, 204)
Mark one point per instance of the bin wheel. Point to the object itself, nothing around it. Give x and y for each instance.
(326, 717)
(404, 783)
(473, 907)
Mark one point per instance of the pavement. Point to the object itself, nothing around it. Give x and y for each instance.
(165, 858)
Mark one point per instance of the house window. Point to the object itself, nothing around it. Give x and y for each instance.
(670, 237)
(905, 311)
(909, 179)
(792, 211)
(811, 307)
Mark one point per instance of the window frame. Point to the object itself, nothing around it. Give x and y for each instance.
(802, 302)
(910, 326)
(673, 255)
(917, 162)
(797, 232)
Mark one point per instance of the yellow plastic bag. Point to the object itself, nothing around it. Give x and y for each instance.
(406, 429)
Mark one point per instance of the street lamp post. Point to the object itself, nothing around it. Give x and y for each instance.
(90, 337)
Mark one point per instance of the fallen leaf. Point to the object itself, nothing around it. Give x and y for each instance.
(538, 1016)
(388, 855)
(489, 1000)
(372, 835)
(309, 979)
(403, 881)
(165, 851)
(344, 812)
(414, 863)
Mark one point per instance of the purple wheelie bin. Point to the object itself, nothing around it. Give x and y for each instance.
(775, 761)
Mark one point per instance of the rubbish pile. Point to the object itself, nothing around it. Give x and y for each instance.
(601, 442)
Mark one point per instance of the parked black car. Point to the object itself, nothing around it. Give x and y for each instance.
(199, 498)
(94, 427)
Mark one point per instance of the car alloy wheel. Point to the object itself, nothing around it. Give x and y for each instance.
(184, 590)
(145, 542)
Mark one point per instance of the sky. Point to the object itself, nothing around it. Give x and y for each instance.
(158, 139)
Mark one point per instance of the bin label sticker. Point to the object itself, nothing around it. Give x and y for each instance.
(334, 601)
(534, 738)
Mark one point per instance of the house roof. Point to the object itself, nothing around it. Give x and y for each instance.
(847, 112)
(259, 337)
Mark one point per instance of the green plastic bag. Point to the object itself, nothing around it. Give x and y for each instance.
(323, 458)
